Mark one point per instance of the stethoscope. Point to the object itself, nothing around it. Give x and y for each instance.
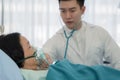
(69, 36)
(67, 42)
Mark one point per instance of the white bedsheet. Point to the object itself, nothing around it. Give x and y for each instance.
(34, 74)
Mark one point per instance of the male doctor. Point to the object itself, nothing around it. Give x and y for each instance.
(88, 44)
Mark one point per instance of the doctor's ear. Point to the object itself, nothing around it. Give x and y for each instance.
(83, 8)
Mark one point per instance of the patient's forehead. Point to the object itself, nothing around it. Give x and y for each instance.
(23, 40)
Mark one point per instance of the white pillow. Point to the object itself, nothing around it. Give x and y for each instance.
(34, 74)
(8, 68)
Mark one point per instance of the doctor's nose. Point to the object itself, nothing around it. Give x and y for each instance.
(68, 15)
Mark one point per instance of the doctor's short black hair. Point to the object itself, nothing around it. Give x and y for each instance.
(10, 44)
(80, 2)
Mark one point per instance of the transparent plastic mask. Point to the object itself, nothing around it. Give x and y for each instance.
(40, 58)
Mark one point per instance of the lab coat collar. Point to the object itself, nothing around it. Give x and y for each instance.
(69, 30)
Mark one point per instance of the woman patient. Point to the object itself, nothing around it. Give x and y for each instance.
(19, 49)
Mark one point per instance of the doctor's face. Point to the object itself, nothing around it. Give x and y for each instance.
(71, 13)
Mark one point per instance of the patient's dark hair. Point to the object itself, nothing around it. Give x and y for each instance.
(80, 2)
(10, 44)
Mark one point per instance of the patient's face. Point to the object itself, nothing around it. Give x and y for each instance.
(30, 63)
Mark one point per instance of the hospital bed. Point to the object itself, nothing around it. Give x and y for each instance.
(10, 71)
